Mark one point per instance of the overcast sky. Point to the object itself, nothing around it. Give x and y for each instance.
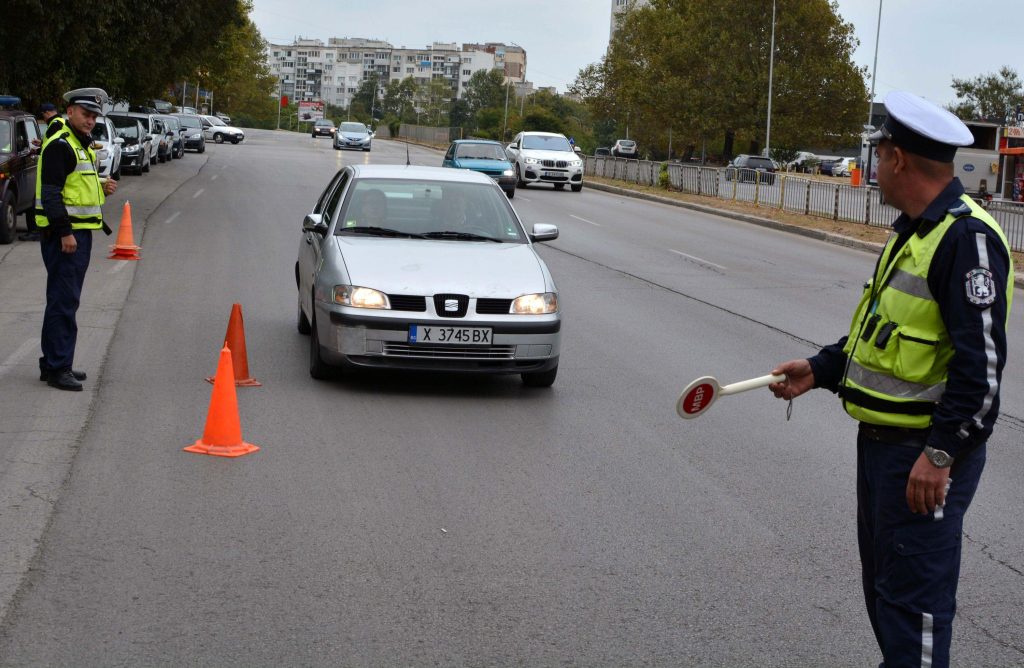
(918, 51)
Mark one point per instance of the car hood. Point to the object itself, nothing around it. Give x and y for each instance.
(548, 155)
(427, 267)
(482, 165)
(354, 135)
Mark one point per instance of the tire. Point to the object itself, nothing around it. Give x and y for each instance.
(8, 219)
(318, 369)
(117, 175)
(218, 138)
(511, 193)
(559, 186)
(540, 378)
(519, 178)
(303, 323)
(145, 168)
(202, 148)
(337, 148)
(576, 187)
(235, 140)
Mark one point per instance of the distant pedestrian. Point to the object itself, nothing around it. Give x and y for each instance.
(71, 195)
(920, 370)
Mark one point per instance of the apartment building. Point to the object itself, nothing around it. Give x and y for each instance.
(620, 6)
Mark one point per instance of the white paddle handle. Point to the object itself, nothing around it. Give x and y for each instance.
(753, 383)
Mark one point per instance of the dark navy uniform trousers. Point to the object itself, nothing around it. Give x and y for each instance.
(65, 274)
(910, 562)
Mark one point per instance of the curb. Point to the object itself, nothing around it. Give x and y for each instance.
(829, 237)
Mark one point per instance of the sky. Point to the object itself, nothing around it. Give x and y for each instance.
(923, 45)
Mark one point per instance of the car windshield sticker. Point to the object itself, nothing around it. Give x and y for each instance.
(980, 290)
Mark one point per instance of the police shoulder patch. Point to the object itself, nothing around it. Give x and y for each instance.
(980, 287)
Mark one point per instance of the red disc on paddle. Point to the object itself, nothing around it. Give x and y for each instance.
(697, 399)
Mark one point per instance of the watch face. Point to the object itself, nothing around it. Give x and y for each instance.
(938, 457)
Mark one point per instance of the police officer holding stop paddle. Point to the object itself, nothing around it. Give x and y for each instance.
(920, 370)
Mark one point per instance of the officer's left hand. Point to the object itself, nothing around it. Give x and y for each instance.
(926, 487)
(109, 186)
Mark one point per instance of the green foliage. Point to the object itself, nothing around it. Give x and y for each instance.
(486, 88)
(663, 178)
(988, 97)
(701, 70)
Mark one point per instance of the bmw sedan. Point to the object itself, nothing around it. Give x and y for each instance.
(352, 135)
(412, 267)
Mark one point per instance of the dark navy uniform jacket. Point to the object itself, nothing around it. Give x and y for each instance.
(968, 408)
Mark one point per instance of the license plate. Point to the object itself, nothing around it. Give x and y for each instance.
(450, 336)
(554, 175)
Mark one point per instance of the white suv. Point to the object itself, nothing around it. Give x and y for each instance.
(545, 157)
(219, 131)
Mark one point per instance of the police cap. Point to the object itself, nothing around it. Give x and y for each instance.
(92, 99)
(920, 127)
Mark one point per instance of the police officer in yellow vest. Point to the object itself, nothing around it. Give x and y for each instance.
(920, 370)
(69, 199)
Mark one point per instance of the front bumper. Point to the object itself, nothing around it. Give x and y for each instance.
(520, 343)
(360, 144)
(544, 174)
(194, 142)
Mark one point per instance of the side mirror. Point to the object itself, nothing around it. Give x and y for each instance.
(118, 140)
(314, 222)
(542, 232)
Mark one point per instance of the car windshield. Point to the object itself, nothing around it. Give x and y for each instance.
(189, 121)
(403, 208)
(547, 142)
(480, 152)
(100, 132)
(172, 123)
(127, 131)
(353, 127)
(215, 121)
(324, 123)
(5, 137)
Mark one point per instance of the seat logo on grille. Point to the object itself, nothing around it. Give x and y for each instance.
(451, 305)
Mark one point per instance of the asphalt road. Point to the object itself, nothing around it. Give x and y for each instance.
(424, 519)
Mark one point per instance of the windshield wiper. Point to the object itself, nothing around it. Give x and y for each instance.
(461, 236)
(380, 232)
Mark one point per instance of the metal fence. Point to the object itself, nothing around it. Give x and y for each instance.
(795, 194)
(428, 134)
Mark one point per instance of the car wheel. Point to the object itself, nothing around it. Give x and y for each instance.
(511, 192)
(540, 378)
(117, 175)
(337, 148)
(318, 369)
(235, 140)
(218, 138)
(8, 219)
(519, 178)
(303, 323)
(559, 186)
(145, 167)
(576, 187)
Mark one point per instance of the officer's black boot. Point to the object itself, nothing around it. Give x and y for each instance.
(64, 380)
(79, 375)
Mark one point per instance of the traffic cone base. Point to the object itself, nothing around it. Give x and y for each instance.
(234, 339)
(125, 248)
(222, 436)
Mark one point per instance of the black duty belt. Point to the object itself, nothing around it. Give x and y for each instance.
(913, 438)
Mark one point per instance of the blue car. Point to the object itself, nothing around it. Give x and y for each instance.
(484, 156)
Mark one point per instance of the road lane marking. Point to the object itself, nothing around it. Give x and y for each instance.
(697, 259)
(589, 222)
(14, 357)
(214, 177)
(524, 199)
(198, 193)
(117, 267)
(171, 219)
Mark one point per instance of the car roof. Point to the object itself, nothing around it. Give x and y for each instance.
(418, 173)
(13, 113)
(545, 134)
(477, 141)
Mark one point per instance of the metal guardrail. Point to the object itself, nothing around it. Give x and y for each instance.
(795, 194)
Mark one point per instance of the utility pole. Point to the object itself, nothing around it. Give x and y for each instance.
(771, 68)
(874, 68)
(279, 100)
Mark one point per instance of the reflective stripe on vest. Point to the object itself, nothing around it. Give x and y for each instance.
(898, 346)
(82, 193)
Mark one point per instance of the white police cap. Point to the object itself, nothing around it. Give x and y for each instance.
(92, 99)
(918, 126)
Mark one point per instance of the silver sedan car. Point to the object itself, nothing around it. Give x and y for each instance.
(425, 268)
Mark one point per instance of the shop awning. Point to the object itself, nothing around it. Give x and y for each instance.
(1016, 150)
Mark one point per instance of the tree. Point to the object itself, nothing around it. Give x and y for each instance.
(365, 97)
(486, 88)
(700, 69)
(988, 97)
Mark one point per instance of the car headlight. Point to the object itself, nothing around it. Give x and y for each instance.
(134, 148)
(102, 154)
(575, 163)
(535, 304)
(359, 297)
(532, 161)
(508, 172)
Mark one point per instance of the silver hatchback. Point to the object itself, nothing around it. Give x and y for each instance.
(425, 268)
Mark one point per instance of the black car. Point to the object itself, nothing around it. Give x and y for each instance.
(323, 128)
(135, 151)
(18, 160)
(751, 168)
(192, 132)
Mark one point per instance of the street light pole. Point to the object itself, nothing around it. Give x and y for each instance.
(771, 72)
(874, 68)
(504, 125)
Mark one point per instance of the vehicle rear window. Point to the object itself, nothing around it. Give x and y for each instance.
(760, 162)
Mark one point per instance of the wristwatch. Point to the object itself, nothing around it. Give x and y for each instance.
(939, 458)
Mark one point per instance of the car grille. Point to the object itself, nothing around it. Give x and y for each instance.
(555, 163)
(461, 305)
(408, 302)
(393, 349)
(493, 306)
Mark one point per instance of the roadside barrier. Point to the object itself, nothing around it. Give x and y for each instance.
(234, 339)
(124, 248)
(795, 194)
(222, 436)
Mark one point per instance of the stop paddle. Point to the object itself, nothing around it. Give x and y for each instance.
(701, 393)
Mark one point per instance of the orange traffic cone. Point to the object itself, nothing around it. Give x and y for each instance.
(223, 433)
(125, 248)
(235, 340)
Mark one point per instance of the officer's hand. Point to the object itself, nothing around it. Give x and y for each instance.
(926, 487)
(110, 186)
(799, 379)
(68, 243)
